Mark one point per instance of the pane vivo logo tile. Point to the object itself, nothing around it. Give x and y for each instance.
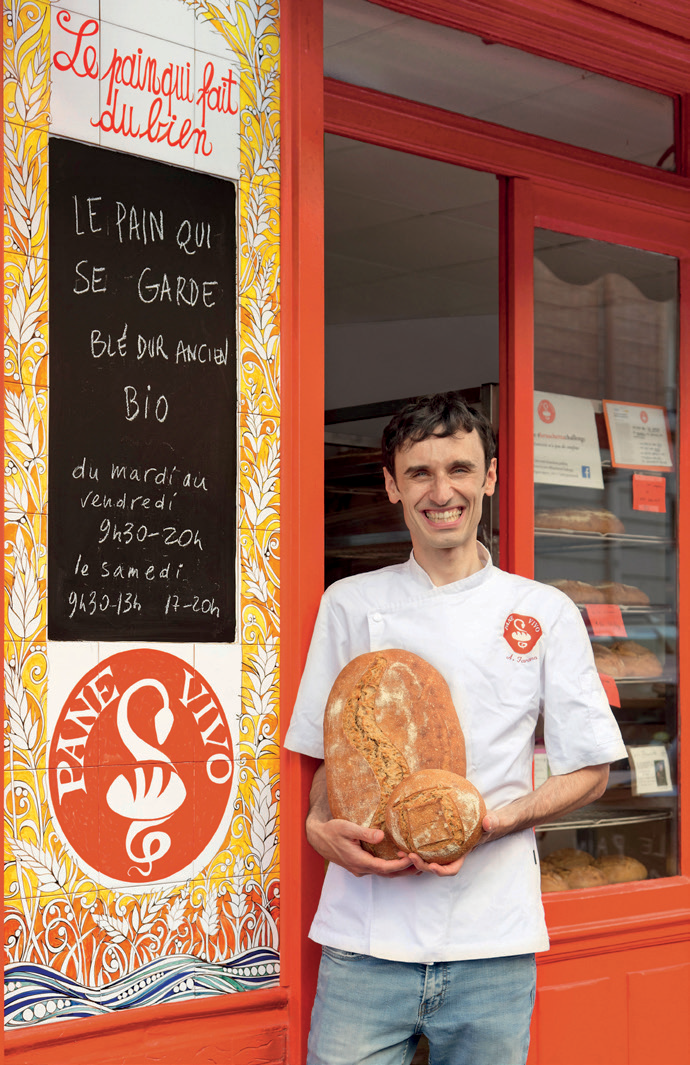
(141, 769)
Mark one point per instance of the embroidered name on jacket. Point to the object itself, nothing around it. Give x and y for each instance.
(521, 633)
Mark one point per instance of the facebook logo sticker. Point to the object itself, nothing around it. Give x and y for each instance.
(586, 472)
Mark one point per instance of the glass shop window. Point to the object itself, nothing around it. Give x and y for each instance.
(606, 465)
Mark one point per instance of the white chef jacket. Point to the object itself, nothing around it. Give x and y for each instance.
(510, 649)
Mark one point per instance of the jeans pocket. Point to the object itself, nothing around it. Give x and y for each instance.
(336, 954)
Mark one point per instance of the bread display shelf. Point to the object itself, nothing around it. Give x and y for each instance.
(645, 611)
(586, 537)
(598, 819)
(661, 678)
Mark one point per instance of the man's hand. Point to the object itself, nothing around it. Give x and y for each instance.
(341, 841)
(433, 867)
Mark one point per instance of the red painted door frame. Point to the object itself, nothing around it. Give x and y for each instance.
(616, 197)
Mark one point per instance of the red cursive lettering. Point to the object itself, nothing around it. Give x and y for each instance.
(217, 97)
(89, 57)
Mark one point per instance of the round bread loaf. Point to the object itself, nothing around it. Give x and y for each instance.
(552, 880)
(607, 661)
(624, 594)
(435, 814)
(584, 876)
(620, 868)
(389, 714)
(579, 591)
(638, 661)
(579, 519)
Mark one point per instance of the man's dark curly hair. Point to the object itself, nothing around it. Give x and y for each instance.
(443, 414)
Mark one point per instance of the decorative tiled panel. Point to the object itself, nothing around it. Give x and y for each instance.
(86, 932)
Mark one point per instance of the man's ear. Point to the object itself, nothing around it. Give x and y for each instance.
(490, 479)
(391, 486)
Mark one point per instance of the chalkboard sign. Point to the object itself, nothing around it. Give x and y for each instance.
(142, 437)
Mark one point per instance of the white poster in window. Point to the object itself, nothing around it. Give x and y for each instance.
(566, 447)
(638, 436)
(651, 772)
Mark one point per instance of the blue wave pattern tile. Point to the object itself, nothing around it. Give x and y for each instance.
(35, 993)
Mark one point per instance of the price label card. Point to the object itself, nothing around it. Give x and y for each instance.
(638, 436)
(605, 619)
(651, 771)
(611, 689)
(649, 493)
(541, 768)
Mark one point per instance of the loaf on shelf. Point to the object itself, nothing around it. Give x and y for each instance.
(621, 868)
(578, 591)
(570, 869)
(585, 876)
(638, 660)
(551, 880)
(603, 592)
(569, 858)
(579, 519)
(623, 594)
(608, 662)
(626, 658)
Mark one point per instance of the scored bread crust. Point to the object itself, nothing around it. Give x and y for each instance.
(584, 876)
(637, 659)
(624, 594)
(389, 714)
(608, 662)
(435, 814)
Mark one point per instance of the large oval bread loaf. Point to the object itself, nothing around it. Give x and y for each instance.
(389, 714)
(436, 814)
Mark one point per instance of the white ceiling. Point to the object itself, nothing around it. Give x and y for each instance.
(368, 45)
(408, 238)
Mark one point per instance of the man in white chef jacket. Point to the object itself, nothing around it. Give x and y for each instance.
(448, 951)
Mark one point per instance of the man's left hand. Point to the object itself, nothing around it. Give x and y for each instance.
(433, 867)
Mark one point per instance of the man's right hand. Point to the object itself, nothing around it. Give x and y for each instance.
(341, 841)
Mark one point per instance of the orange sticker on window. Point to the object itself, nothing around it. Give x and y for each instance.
(649, 493)
(605, 619)
(611, 689)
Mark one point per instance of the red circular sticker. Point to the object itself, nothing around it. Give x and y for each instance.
(546, 411)
(644, 417)
(140, 768)
(521, 633)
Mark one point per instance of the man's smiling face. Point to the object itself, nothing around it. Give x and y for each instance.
(441, 482)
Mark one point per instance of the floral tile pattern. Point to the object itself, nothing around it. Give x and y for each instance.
(75, 947)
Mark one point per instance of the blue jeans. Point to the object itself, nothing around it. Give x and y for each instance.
(372, 1012)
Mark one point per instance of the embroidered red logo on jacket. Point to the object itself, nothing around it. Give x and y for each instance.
(521, 633)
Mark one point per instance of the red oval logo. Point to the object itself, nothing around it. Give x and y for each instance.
(140, 768)
(521, 633)
(546, 411)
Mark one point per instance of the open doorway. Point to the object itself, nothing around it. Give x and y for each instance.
(411, 270)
